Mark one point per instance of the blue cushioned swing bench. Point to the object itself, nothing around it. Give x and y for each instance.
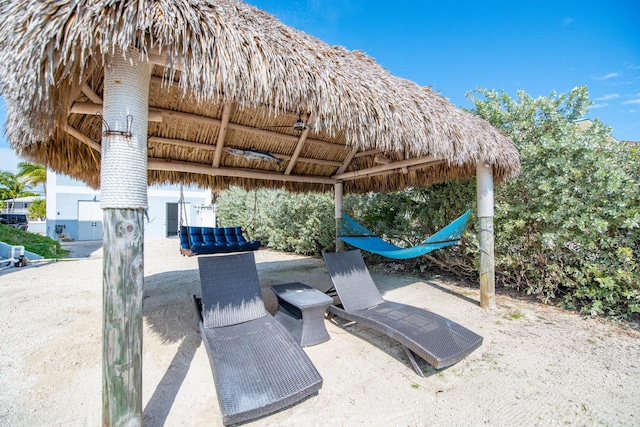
(213, 240)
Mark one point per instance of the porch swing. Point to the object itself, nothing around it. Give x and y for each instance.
(211, 240)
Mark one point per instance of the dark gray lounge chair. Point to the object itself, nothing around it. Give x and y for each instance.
(436, 339)
(258, 368)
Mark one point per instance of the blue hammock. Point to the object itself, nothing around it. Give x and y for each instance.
(357, 235)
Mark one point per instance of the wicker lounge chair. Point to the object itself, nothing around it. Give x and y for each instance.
(258, 368)
(436, 339)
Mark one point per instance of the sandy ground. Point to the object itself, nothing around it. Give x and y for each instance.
(537, 366)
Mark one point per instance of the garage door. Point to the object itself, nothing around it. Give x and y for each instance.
(89, 220)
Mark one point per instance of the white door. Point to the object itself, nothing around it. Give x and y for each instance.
(89, 220)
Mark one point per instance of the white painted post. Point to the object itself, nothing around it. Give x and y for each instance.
(338, 202)
(123, 198)
(484, 178)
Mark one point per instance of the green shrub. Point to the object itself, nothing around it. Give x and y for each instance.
(41, 245)
(407, 218)
(568, 228)
(301, 223)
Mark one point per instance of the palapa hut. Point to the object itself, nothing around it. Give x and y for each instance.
(122, 94)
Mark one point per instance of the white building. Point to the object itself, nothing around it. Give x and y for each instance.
(19, 205)
(74, 209)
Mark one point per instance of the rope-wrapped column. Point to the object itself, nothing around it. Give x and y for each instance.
(484, 186)
(123, 198)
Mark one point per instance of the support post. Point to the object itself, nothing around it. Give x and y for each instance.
(123, 198)
(338, 202)
(484, 178)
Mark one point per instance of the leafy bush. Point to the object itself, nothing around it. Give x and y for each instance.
(569, 226)
(38, 209)
(41, 245)
(566, 230)
(305, 223)
(300, 223)
(409, 217)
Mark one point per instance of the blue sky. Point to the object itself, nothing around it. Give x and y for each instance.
(456, 46)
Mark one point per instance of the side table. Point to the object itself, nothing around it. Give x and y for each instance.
(301, 310)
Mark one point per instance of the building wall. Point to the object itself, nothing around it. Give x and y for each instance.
(160, 197)
(64, 195)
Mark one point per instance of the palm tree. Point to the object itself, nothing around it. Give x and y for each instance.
(33, 174)
(13, 186)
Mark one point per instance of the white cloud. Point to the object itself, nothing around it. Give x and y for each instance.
(567, 22)
(632, 101)
(594, 106)
(606, 76)
(632, 111)
(608, 97)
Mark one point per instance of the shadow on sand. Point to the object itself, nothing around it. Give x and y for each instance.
(169, 312)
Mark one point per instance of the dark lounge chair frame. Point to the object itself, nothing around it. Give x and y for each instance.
(258, 368)
(436, 339)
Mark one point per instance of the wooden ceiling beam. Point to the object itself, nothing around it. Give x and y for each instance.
(181, 143)
(157, 115)
(347, 161)
(298, 149)
(92, 109)
(76, 89)
(367, 153)
(89, 92)
(406, 169)
(168, 165)
(382, 168)
(200, 146)
(222, 133)
(82, 138)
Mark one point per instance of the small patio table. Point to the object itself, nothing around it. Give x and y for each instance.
(301, 310)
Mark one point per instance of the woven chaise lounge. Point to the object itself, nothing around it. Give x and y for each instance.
(436, 339)
(258, 368)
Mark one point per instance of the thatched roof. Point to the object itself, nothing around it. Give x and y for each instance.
(227, 77)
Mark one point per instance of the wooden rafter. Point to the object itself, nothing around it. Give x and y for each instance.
(90, 108)
(82, 138)
(200, 146)
(181, 143)
(347, 161)
(157, 115)
(76, 89)
(298, 150)
(90, 93)
(384, 168)
(166, 165)
(222, 133)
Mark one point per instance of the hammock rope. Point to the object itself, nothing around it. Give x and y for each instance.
(183, 214)
(357, 235)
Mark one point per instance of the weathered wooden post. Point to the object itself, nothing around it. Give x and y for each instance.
(123, 198)
(484, 187)
(338, 202)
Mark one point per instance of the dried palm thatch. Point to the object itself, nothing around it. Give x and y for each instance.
(227, 75)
